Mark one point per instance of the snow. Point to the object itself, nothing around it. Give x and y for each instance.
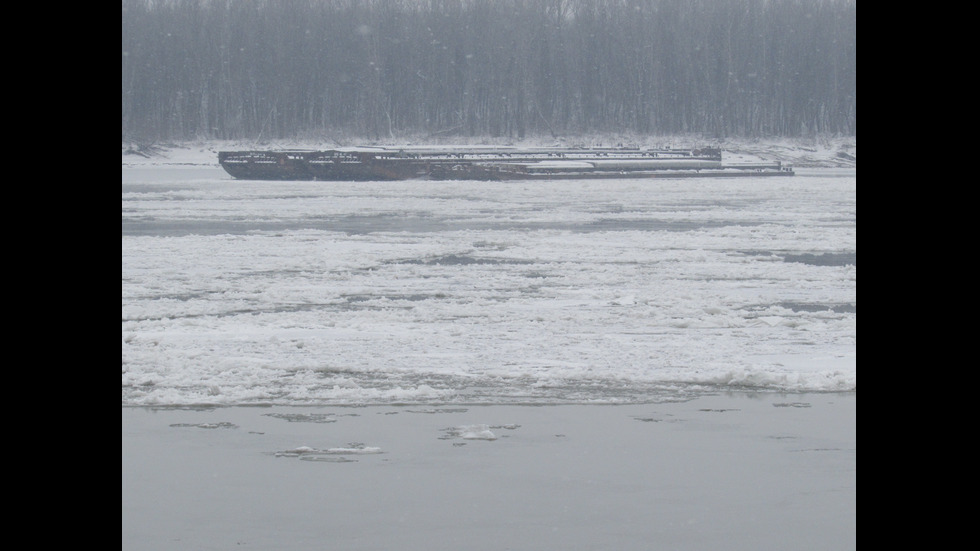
(619, 291)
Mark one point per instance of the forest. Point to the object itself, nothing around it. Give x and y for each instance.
(381, 69)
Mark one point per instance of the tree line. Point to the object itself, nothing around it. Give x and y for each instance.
(254, 69)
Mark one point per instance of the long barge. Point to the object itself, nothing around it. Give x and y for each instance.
(486, 163)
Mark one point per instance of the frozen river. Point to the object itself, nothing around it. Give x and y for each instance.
(441, 292)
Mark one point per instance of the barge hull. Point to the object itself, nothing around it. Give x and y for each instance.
(492, 163)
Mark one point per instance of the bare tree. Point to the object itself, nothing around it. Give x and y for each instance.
(263, 69)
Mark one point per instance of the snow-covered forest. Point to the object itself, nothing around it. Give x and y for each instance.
(265, 69)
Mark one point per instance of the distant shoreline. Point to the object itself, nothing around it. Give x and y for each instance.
(812, 152)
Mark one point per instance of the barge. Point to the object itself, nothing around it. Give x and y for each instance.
(491, 163)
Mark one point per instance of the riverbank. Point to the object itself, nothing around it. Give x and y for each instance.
(814, 152)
